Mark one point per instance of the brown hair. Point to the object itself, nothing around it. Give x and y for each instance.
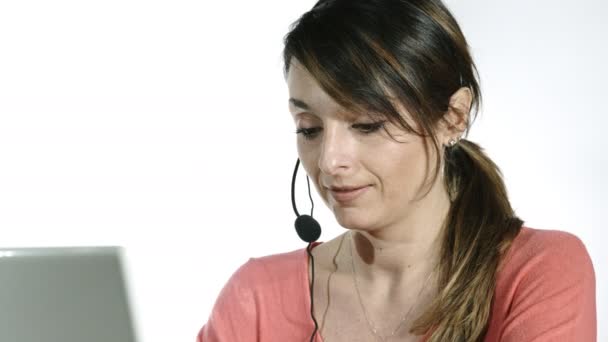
(367, 53)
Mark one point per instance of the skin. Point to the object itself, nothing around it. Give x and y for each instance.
(395, 229)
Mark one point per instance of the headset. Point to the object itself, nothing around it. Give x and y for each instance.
(309, 231)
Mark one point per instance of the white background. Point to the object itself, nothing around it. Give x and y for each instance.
(162, 126)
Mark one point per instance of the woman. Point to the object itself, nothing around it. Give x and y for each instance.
(382, 93)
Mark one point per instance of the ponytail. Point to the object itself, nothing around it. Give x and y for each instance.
(479, 228)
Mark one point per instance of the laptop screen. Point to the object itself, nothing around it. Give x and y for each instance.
(64, 294)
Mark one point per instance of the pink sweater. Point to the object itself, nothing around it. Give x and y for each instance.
(545, 292)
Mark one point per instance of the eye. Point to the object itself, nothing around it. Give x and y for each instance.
(308, 133)
(369, 128)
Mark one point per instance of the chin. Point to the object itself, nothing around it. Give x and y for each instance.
(352, 218)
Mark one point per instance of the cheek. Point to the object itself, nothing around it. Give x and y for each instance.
(402, 173)
(308, 157)
(308, 163)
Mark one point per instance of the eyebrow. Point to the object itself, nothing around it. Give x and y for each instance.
(299, 103)
(303, 105)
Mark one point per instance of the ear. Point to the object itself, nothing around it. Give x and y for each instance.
(456, 118)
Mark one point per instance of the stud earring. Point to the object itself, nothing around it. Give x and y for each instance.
(453, 142)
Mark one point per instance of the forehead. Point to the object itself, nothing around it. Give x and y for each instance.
(306, 95)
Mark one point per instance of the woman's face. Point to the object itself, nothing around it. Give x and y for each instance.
(347, 150)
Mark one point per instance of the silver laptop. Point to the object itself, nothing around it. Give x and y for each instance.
(64, 294)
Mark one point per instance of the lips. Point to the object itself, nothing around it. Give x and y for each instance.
(345, 188)
(347, 194)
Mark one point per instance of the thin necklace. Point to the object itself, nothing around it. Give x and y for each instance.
(371, 326)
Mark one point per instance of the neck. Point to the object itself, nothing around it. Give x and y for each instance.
(405, 252)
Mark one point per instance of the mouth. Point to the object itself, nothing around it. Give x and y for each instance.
(347, 194)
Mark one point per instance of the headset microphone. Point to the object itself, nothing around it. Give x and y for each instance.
(307, 227)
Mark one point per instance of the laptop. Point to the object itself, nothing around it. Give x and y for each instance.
(64, 294)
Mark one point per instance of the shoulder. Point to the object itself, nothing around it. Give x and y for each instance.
(533, 241)
(261, 291)
(546, 282)
(267, 272)
(546, 254)
(541, 250)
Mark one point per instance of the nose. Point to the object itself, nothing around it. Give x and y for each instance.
(336, 156)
